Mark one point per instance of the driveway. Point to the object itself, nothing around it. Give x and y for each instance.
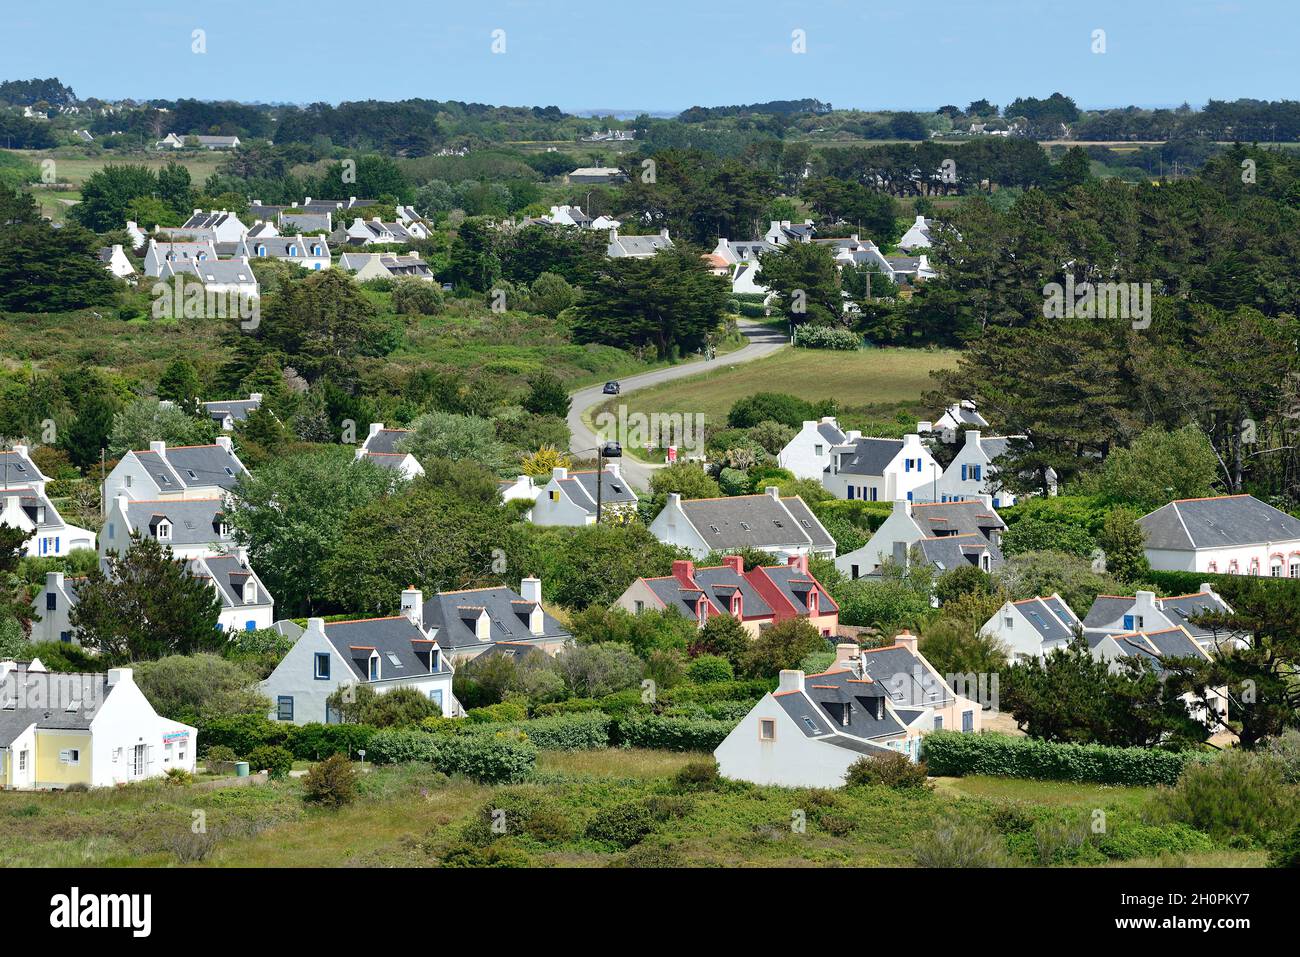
(763, 341)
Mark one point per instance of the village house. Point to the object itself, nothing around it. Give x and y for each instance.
(96, 730)
(974, 471)
(217, 225)
(808, 454)
(1228, 534)
(783, 526)
(191, 528)
(227, 412)
(917, 235)
(375, 232)
(870, 703)
(880, 470)
(403, 462)
(115, 261)
(158, 255)
(227, 277)
(636, 247)
(1154, 648)
(783, 232)
(24, 505)
(757, 598)
(570, 497)
(176, 142)
(956, 419)
(947, 534)
(175, 472)
(595, 175)
(1032, 627)
(1143, 611)
(246, 605)
(385, 266)
(51, 607)
(469, 622)
(381, 653)
(381, 446)
(310, 253)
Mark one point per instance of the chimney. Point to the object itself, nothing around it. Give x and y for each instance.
(54, 580)
(911, 440)
(483, 626)
(316, 626)
(663, 233)
(159, 447)
(530, 589)
(923, 427)
(798, 561)
(847, 655)
(120, 676)
(972, 437)
(852, 435)
(413, 606)
(20, 449)
(225, 443)
(684, 571)
(905, 639)
(375, 428)
(305, 202)
(675, 500)
(790, 681)
(774, 492)
(559, 473)
(613, 469)
(736, 563)
(1207, 588)
(255, 397)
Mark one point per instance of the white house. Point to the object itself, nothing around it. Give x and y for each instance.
(783, 232)
(1143, 611)
(191, 528)
(217, 225)
(310, 253)
(1033, 626)
(570, 497)
(24, 505)
(403, 462)
(383, 447)
(917, 235)
(808, 454)
(176, 472)
(382, 653)
(782, 526)
(228, 412)
(524, 488)
(810, 730)
(53, 604)
(115, 261)
(637, 247)
(1153, 647)
(974, 471)
(96, 730)
(159, 254)
(385, 266)
(372, 232)
(1229, 534)
(881, 470)
(229, 277)
(246, 605)
(957, 418)
(948, 535)
(475, 620)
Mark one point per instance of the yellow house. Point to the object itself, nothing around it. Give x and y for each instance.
(98, 730)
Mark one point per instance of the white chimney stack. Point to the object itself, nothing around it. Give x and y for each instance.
(790, 681)
(413, 606)
(530, 589)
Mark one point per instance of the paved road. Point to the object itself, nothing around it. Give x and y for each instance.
(763, 341)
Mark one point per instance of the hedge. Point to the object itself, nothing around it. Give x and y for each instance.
(582, 731)
(308, 742)
(399, 745)
(1185, 583)
(489, 759)
(827, 337)
(671, 734)
(715, 691)
(951, 753)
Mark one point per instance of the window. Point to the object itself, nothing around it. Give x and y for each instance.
(374, 668)
(1009, 621)
(968, 721)
(436, 696)
(322, 669)
(853, 570)
(978, 470)
(638, 607)
(284, 708)
(51, 601)
(850, 492)
(70, 756)
(907, 465)
(874, 494)
(1295, 566)
(938, 722)
(767, 729)
(1128, 622)
(164, 531)
(817, 449)
(22, 760)
(555, 495)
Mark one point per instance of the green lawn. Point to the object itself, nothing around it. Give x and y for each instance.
(873, 382)
(410, 816)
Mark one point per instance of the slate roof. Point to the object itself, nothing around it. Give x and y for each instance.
(277, 247)
(1048, 617)
(952, 551)
(904, 678)
(403, 648)
(42, 698)
(1179, 609)
(308, 222)
(1154, 646)
(237, 408)
(230, 574)
(867, 456)
(193, 465)
(756, 521)
(506, 611)
(209, 220)
(720, 582)
(641, 245)
(964, 517)
(385, 440)
(831, 433)
(194, 521)
(675, 595)
(18, 469)
(835, 691)
(795, 586)
(580, 487)
(1222, 521)
(225, 271)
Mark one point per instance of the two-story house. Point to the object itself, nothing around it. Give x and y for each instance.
(470, 621)
(784, 526)
(974, 471)
(1032, 627)
(384, 448)
(948, 535)
(246, 605)
(228, 412)
(175, 472)
(757, 598)
(217, 225)
(808, 454)
(312, 252)
(1228, 534)
(159, 254)
(24, 505)
(51, 607)
(881, 470)
(191, 528)
(570, 497)
(1143, 611)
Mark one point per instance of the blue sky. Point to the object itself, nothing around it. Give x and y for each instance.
(664, 54)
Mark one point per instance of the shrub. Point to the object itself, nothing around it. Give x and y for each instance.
(698, 776)
(707, 668)
(332, 782)
(495, 855)
(650, 855)
(1285, 749)
(1286, 850)
(315, 742)
(242, 733)
(827, 337)
(520, 811)
(570, 732)
(504, 711)
(951, 753)
(1238, 795)
(891, 770)
(401, 745)
(960, 844)
(622, 825)
(220, 755)
(836, 825)
(185, 687)
(671, 734)
(179, 776)
(275, 760)
(502, 758)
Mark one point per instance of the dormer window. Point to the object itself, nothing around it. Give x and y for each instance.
(374, 667)
(163, 532)
(260, 250)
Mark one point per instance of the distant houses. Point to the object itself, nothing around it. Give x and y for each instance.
(782, 525)
(381, 448)
(636, 247)
(948, 535)
(26, 506)
(174, 141)
(1227, 534)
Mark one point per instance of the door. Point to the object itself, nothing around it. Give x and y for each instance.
(137, 761)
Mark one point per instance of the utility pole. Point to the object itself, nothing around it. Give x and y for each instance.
(600, 478)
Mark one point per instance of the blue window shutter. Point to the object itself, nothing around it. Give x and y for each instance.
(1128, 622)
(978, 469)
(250, 626)
(907, 465)
(909, 496)
(963, 473)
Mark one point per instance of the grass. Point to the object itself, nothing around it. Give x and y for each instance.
(411, 816)
(875, 382)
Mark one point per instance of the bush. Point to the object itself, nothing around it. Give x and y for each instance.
(1286, 851)
(582, 731)
(960, 844)
(827, 337)
(179, 776)
(891, 770)
(951, 753)
(503, 758)
(708, 668)
(332, 782)
(1238, 795)
(242, 733)
(1285, 749)
(315, 742)
(622, 825)
(186, 687)
(671, 734)
(220, 755)
(698, 776)
(401, 745)
(275, 760)
(505, 711)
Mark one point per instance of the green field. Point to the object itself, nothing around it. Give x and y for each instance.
(411, 816)
(872, 382)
